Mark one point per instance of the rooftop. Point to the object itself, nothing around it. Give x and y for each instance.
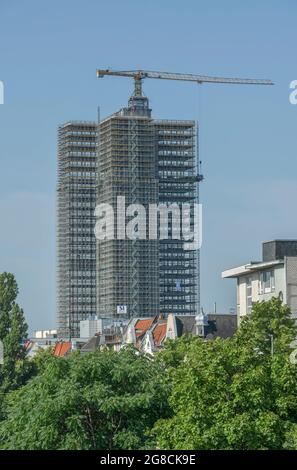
(141, 326)
(250, 267)
(273, 254)
(159, 333)
(62, 348)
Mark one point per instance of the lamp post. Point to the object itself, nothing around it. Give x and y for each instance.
(272, 344)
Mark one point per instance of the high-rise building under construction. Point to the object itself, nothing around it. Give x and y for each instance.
(128, 270)
(145, 161)
(76, 243)
(148, 162)
(178, 173)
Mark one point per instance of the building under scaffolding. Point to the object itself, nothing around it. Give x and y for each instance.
(128, 269)
(178, 171)
(76, 243)
(146, 161)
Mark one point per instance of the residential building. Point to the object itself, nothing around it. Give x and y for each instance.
(45, 334)
(208, 326)
(222, 325)
(62, 348)
(32, 348)
(149, 334)
(41, 340)
(92, 326)
(76, 242)
(110, 337)
(136, 330)
(274, 276)
(154, 337)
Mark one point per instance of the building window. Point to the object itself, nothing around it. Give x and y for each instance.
(249, 294)
(266, 282)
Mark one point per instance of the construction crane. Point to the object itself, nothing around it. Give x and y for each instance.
(140, 75)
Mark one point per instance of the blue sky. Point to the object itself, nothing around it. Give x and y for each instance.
(49, 52)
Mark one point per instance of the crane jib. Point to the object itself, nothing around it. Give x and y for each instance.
(141, 74)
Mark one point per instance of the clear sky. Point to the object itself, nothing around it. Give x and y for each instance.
(49, 52)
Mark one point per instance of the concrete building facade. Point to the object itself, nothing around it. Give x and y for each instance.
(92, 326)
(274, 276)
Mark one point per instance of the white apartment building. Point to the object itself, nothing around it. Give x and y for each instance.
(92, 326)
(274, 276)
(45, 334)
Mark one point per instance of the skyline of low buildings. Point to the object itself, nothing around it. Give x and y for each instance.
(147, 334)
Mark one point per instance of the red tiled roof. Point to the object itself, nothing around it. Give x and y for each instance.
(143, 326)
(28, 344)
(61, 348)
(159, 333)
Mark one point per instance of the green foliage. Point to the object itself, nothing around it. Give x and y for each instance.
(234, 394)
(239, 393)
(101, 400)
(13, 330)
(267, 318)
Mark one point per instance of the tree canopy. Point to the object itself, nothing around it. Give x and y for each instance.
(13, 331)
(100, 400)
(236, 393)
(239, 393)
